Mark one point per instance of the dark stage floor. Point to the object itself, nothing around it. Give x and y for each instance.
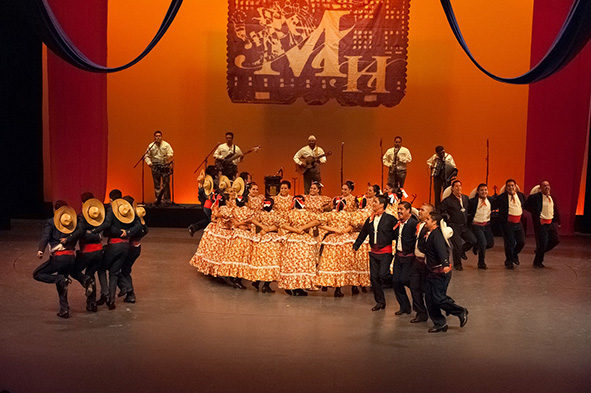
(529, 331)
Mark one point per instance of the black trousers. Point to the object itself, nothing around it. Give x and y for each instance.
(461, 233)
(485, 239)
(113, 259)
(397, 177)
(53, 271)
(514, 239)
(312, 174)
(379, 269)
(125, 282)
(418, 274)
(161, 184)
(437, 299)
(546, 239)
(89, 262)
(401, 280)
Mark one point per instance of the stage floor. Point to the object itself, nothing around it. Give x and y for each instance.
(529, 330)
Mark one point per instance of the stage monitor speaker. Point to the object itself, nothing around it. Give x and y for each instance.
(272, 185)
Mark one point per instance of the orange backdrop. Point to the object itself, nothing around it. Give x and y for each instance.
(180, 88)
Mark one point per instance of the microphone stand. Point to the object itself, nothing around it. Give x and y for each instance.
(381, 163)
(487, 160)
(204, 162)
(142, 160)
(342, 155)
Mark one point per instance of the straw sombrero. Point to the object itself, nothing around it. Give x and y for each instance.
(64, 219)
(93, 211)
(239, 186)
(208, 185)
(446, 193)
(225, 183)
(141, 213)
(473, 193)
(201, 178)
(123, 210)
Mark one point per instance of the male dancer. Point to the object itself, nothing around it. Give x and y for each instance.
(406, 239)
(90, 255)
(58, 232)
(418, 272)
(511, 204)
(396, 159)
(454, 208)
(136, 233)
(438, 278)
(379, 228)
(545, 217)
(479, 209)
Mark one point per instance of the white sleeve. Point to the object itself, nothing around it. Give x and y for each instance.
(404, 155)
(430, 160)
(298, 155)
(169, 152)
(218, 153)
(147, 155)
(239, 154)
(387, 159)
(450, 160)
(322, 160)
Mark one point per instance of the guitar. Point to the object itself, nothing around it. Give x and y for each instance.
(309, 162)
(225, 163)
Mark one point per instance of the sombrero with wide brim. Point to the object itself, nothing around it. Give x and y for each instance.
(446, 193)
(535, 190)
(141, 213)
(473, 193)
(238, 186)
(208, 185)
(93, 211)
(64, 219)
(225, 183)
(123, 210)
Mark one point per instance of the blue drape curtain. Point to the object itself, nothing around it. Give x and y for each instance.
(56, 39)
(572, 37)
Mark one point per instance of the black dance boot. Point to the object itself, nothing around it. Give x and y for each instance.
(267, 287)
(338, 293)
(354, 290)
(256, 285)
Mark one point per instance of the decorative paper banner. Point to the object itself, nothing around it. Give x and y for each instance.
(351, 50)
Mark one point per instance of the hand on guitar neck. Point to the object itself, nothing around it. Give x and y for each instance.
(232, 156)
(310, 162)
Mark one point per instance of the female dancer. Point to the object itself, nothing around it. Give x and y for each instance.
(255, 200)
(215, 238)
(283, 201)
(267, 247)
(298, 266)
(336, 262)
(346, 194)
(315, 202)
(235, 262)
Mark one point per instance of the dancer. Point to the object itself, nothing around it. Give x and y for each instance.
(418, 272)
(406, 238)
(479, 210)
(545, 217)
(511, 203)
(283, 200)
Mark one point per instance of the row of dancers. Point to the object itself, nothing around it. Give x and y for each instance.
(109, 243)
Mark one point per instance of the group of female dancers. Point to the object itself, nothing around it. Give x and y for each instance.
(302, 242)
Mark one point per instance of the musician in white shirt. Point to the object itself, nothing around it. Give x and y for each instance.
(158, 156)
(443, 170)
(223, 156)
(309, 158)
(396, 159)
(479, 209)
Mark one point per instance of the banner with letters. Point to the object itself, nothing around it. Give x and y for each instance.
(354, 51)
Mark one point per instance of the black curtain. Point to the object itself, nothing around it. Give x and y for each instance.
(21, 168)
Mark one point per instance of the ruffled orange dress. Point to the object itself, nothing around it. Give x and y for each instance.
(338, 258)
(255, 203)
(213, 243)
(360, 269)
(265, 262)
(300, 253)
(282, 203)
(350, 203)
(236, 259)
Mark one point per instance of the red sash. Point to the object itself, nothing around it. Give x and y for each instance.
(64, 252)
(545, 222)
(92, 247)
(115, 240)
(135, 243)
(514, 219)
(482, 224)
(384, 250)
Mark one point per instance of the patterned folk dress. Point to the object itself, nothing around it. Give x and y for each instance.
(336, 266)
(300, 253)
(316, 203)
(236, 259)
(212, 245)
(350, 203)
(282, 203)
(265, 262)
(255, 202)
(360, 271)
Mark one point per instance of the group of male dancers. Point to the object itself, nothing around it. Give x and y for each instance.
(121, 223)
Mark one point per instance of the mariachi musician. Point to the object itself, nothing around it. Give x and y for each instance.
(308, 160)
(228, 155)
(158, 156)
(443, 170)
